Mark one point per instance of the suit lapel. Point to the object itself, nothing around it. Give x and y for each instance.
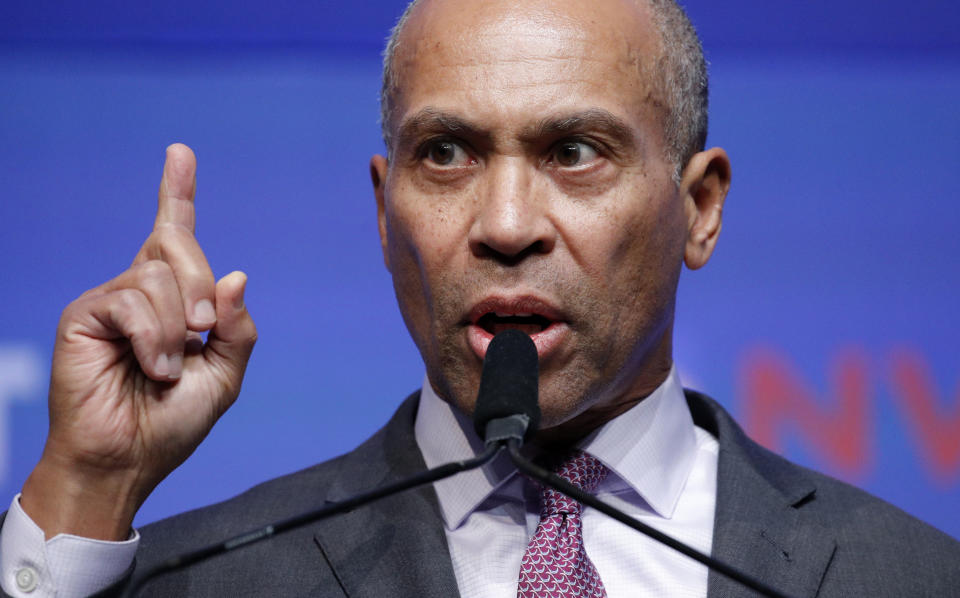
(396, 546)
(760, 525)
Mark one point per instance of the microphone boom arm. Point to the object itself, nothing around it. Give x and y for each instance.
(426, 477)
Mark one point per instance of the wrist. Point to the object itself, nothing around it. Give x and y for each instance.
(64, 498)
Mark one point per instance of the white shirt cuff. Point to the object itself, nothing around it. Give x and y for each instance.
(65, 566)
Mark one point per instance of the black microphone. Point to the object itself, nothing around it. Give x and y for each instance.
(507, 405)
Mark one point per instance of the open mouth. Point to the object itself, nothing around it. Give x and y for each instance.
(546, 325)
(495, 323)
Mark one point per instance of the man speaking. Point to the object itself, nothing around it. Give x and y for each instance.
(545, 172)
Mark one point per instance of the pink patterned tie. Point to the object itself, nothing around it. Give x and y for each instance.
(555, 564)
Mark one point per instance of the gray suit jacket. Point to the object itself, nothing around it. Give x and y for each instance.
(800, 531)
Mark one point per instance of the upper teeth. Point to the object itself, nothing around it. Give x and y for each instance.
(501, 314)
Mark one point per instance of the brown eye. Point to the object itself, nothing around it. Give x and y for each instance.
(573, 153)
(442, 152)
(446, 153)
(568, 154)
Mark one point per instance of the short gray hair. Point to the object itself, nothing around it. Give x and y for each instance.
(389, 80)
(681, 67)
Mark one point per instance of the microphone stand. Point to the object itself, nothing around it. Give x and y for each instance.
(557, 483)
(426, 477)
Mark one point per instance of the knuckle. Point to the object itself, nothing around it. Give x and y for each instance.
(171, 228)
(149, 335)
(245, 333)
(77, 315)
(69, 318)
(133, 308)
(167, 234)
(89, 293)
(70, 312)
(130, 301)
(154, 271)
(247, 328)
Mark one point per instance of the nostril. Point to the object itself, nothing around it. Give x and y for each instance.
(483, 250)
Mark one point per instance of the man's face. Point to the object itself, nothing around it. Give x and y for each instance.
(528, 186)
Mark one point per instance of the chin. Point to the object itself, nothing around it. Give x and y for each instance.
(455, 383)
(552, 416)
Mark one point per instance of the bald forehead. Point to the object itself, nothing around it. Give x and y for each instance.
(615, 31)
(628, 23)
(604, 13)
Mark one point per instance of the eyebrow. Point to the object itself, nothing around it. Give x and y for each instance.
(591, 120)
(433, 120)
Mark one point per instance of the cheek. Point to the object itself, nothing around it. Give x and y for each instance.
(612, 243)
(633, 255)
(407, 264)
(423, 243)
(419, 241)
(655, 227)
(427, 224)
(410, 281)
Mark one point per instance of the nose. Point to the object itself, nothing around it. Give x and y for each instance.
(512, 219)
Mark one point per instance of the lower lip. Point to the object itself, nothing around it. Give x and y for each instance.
(547, 340)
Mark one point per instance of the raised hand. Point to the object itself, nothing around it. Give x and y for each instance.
(134, 389)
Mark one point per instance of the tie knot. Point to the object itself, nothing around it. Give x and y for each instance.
(580, 469)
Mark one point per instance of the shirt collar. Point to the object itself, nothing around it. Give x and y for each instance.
(649, 449)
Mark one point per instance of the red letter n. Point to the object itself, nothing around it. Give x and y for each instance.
(777, 401)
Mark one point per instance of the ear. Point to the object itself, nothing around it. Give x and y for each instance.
(378, 176)
(703, 187)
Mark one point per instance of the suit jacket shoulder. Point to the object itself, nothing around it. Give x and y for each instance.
(376, 550)
(811, 535)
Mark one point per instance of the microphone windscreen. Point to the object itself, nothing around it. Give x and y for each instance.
(508, 383)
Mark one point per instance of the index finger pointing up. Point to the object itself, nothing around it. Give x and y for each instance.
(177, 188)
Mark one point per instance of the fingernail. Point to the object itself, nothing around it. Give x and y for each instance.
(162, 366)
(238, 302)
(204, 312)
(176, 366)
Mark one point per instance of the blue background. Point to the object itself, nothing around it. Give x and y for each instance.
(840, 233)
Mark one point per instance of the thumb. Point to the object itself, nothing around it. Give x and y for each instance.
(231, 341)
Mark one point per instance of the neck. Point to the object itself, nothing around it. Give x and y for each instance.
(572, 431)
